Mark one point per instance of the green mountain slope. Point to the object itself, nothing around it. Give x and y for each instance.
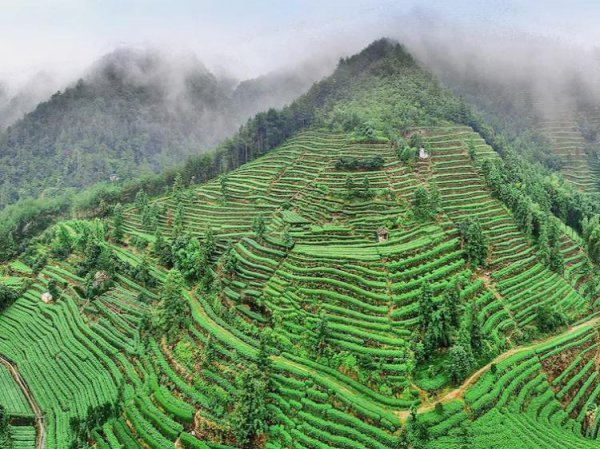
(136, 112)
(261, 308)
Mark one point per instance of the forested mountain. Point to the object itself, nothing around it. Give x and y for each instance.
(373, 266)
(135, 112)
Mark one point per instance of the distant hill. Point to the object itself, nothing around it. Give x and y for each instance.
(134, 112)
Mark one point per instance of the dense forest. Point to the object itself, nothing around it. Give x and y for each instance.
(129, 116)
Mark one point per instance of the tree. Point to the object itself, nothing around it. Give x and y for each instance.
(177, 188)
(117, 230)
(471, 149)
(556, 261)
(543, 243)
(451, 302)
(259, 226)
(6, 440)
(425, 305)
(223, 183)
(474, 326)
(350, 187)
(416, 140)
(188, 257)
(439, 330)
(178, 221)
(591, 235)
(173, 309)
(367, 131)
(287, 239)
(162, 250)
(435, 199)
(459, 363)
(422, 206)
(322, 334)
(209, 244)
(547, 319)
(474, 242)
(63, 242)
(8, 296)
(141, 200)
(250, 417)
(230, 260)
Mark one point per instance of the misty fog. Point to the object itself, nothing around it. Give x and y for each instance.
(462, 46)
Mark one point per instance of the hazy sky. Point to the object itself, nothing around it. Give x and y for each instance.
(250, 37)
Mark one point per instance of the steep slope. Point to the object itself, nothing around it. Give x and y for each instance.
(135, 112)
(296, 326)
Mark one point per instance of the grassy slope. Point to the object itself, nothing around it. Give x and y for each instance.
(75, 353)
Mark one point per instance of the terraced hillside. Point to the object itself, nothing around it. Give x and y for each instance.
(569, 142)
(299, 301)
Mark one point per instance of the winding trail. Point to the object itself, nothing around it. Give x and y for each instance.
(354, 396)
(39, 416)
(459, 392)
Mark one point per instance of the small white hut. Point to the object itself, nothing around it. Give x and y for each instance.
(423, 154)
(382, 235)
(47, 297)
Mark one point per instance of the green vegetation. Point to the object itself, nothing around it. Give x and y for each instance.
(295, 302)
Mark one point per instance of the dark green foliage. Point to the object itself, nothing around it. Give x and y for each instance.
(178, 220)
(63, 243)
(425, 203)
(173, 309)
(8, 296)
(82, 427)
(259, 226)
(251, 417)
(547, 319)
(188, 257)
(353, 163)
(451, 302)
(162, 250)
(407, 153)
(555, 261)
(117, 230)
(358, 191)
(459, 363)
(230, 260)
(474, 242)
(6, 441)
(591, 235)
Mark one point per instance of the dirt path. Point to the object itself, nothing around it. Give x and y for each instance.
(459, 392)
(39, 417)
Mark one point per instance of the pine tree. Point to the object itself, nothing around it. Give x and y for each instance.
(451, 301)
(250, 417)
(6, 441)
(141, 200)
(173, 308)
(474, 242)
(178, 221)
(230, 260)
(63, 242)
(188, 257)
(556, 261)
(223, 183)
(259, 226)
(543, 243)
(178, 187)
(435, 199)
(117, 230)
(425, 305)
(459, 363)
(421, 205)
(162, 250)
